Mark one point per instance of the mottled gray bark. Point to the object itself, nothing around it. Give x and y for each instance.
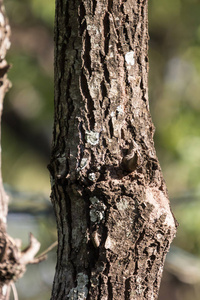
(113, 216)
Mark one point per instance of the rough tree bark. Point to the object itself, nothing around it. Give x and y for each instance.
(113, 216)
(13, 261)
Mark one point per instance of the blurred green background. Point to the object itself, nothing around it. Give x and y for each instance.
(174, 93)
(26, 136)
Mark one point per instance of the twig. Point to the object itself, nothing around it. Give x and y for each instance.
(43, 255)
(8, 292)
(14, 290)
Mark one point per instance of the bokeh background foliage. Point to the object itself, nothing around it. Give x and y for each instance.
(174, 93)
(28, 110)
(174, 84)
(26, 136)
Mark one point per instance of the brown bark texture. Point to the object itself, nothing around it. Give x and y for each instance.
(113, 215)
(13, 261)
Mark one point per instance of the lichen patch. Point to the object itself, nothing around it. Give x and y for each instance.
(92, 137)
(80, 292)
(129, 57)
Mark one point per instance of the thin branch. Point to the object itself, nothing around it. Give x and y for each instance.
(27, 255)
(14, 290)
(43, 255)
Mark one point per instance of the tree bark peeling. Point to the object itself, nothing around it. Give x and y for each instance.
(114, 221)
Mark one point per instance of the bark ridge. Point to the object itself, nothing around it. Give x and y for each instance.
(113, 215)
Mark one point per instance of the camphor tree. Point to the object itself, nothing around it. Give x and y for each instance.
(113, 215)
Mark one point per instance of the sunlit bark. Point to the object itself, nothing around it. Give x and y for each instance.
(114, 221)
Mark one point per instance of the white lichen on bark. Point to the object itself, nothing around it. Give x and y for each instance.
(79, 292)
(129, 57)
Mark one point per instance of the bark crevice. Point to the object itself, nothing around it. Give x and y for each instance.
(118, 199)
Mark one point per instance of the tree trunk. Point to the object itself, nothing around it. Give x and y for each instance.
(6, 273)
(113, 216)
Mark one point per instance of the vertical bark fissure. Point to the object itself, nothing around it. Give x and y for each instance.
(118, 219)
(110, 288)
(127, 289)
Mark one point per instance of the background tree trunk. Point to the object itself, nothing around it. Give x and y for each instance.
(13, 261)
(5, 251)
(114, 221)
